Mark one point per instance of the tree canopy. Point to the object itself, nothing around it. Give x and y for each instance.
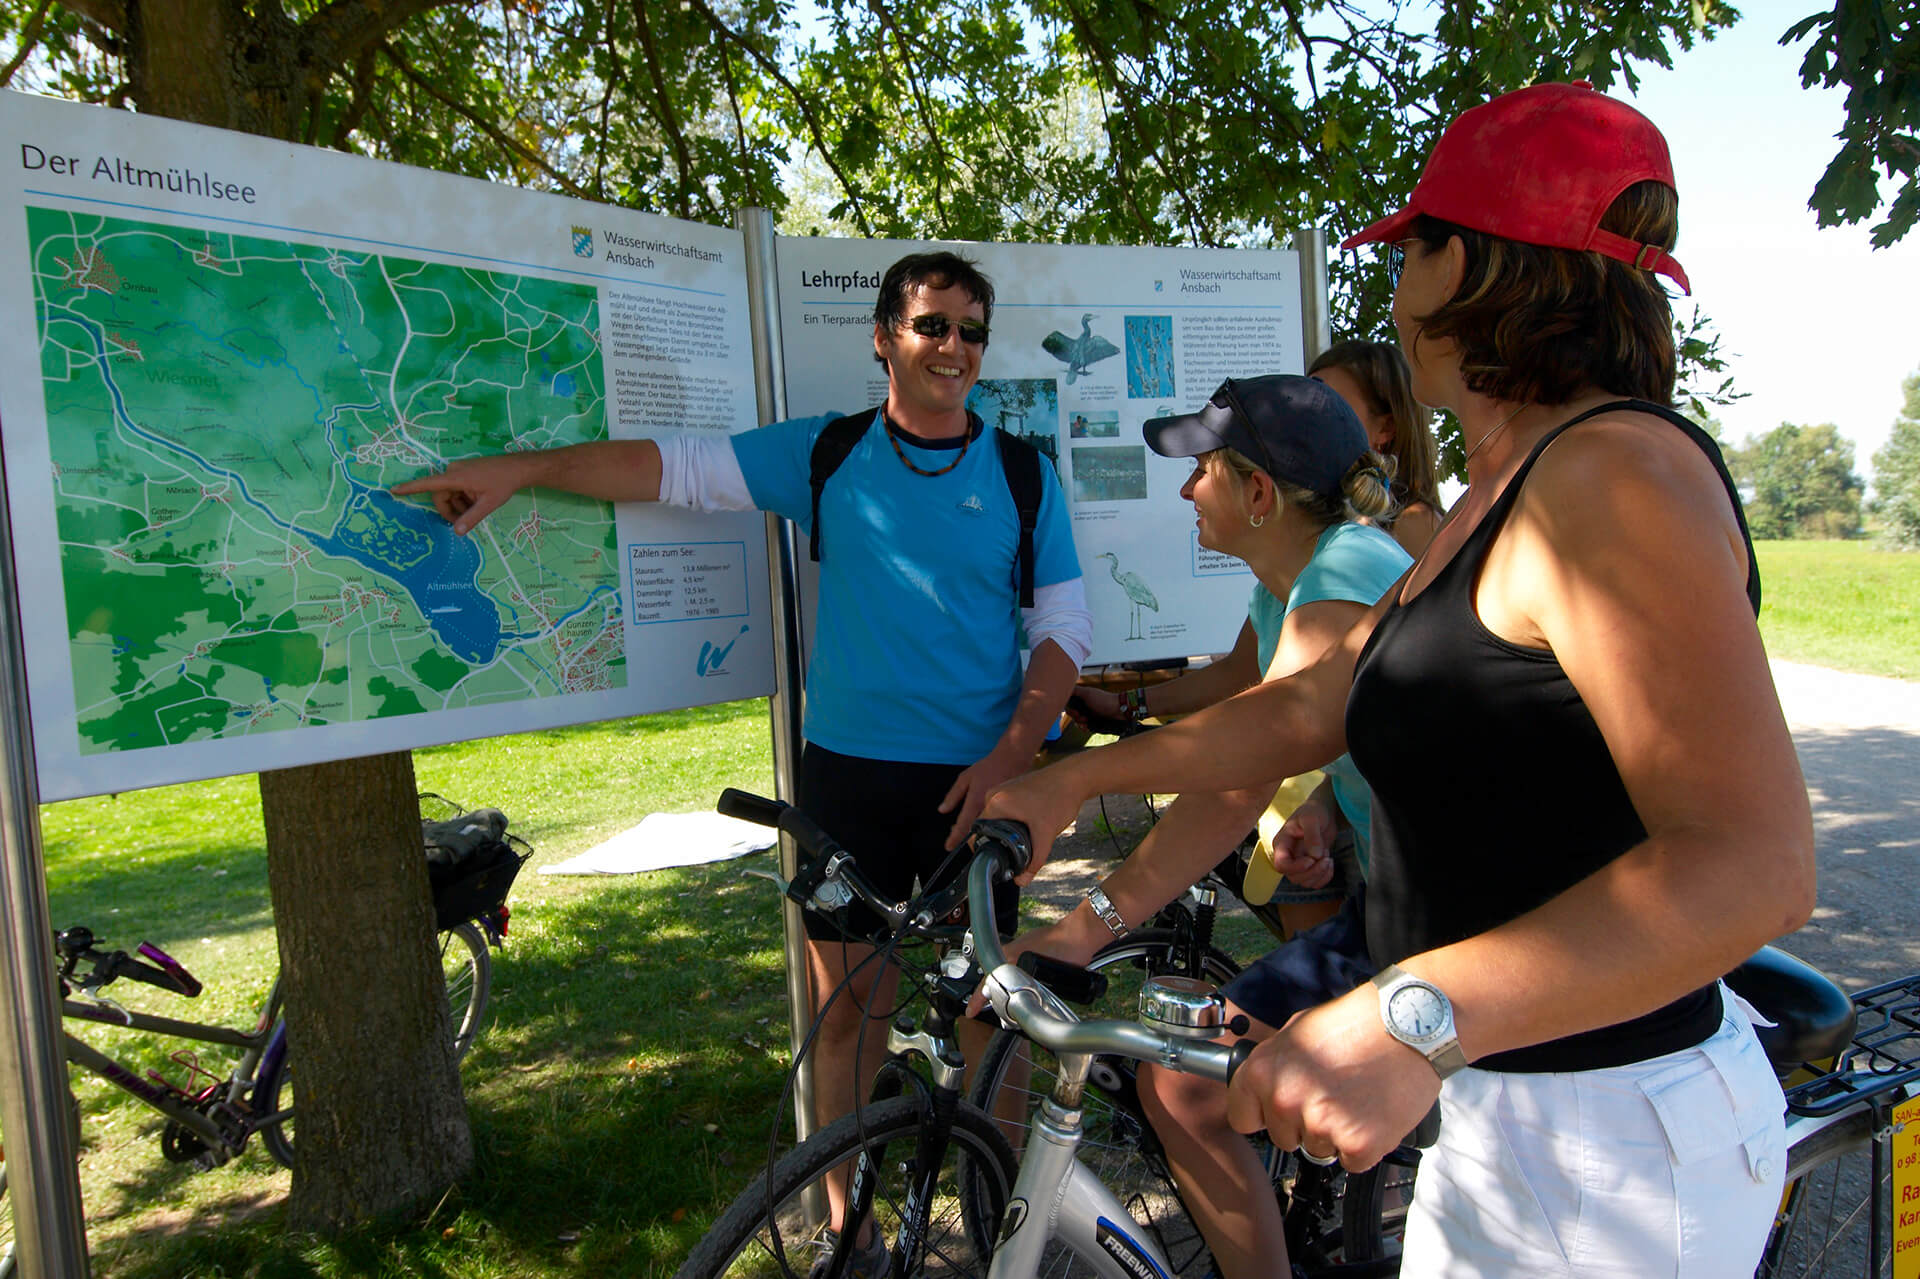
(1896, 473)
(1799, 481)
(1205, 122)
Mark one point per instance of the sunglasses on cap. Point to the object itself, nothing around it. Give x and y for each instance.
(935, 327)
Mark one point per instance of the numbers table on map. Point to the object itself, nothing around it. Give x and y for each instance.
(688, 581)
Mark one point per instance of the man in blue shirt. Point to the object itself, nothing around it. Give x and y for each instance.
(917, 706)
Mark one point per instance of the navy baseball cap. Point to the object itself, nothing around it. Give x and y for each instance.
(1295, 428)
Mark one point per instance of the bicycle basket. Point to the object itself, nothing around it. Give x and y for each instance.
(471, 861)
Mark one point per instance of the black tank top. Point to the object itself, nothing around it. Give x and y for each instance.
(1493, 790)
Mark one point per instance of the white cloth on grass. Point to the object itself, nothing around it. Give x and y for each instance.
(662, 840)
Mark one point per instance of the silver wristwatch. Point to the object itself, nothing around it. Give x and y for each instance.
(1103, 907)
(1419, 1015)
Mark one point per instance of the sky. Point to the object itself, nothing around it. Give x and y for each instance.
(1819, 325)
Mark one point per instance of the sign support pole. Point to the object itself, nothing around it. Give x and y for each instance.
(1316, 320)
(43, 1179)
(770, 386)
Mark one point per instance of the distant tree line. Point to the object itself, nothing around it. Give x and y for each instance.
(1799, 481)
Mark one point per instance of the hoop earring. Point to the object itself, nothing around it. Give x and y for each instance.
(1256, 520)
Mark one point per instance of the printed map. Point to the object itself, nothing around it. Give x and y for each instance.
(225, 414)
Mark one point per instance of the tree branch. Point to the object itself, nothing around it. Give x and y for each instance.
(800, 100)
(508, 144)
(669, 119)
(29, 41)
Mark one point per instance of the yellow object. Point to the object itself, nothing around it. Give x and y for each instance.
(1905, 1153)
(1261, 878)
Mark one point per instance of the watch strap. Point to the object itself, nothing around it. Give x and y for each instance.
(1103, 907)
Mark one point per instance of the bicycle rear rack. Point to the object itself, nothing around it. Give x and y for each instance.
(1884, 1054)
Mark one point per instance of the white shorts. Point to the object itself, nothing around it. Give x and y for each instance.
(1671, 1167)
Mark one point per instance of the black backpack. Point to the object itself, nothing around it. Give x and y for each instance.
(1018, 459)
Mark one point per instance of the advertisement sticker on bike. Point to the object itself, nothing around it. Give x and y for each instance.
(1904, 1150)
(1121, 1247)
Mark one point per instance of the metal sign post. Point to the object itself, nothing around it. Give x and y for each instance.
(43, 1181)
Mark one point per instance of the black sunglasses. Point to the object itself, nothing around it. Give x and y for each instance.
(1397, 260)
(934, 328)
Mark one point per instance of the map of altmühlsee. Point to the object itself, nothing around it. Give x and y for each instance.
(226, 414)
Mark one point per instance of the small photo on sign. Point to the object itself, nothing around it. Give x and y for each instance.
(1094, 424)
(1110, 473)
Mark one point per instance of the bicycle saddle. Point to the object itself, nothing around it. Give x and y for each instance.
(1815, 1016)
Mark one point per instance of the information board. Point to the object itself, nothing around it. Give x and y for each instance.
(228, 348)
(1088, 343)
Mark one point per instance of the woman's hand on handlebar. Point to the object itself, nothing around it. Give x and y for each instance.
(1046, 801)
(1098, 703)
(1332, 1081)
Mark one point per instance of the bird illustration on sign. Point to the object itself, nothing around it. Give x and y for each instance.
(1139, 596)
(1078, 353)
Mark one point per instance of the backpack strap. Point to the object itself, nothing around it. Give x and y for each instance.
(1021, 462)
(830, 449)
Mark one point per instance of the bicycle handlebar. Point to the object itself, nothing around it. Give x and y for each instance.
(108, 966)
(1038, 1013)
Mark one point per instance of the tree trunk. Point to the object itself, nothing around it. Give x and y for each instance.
(381, 1127)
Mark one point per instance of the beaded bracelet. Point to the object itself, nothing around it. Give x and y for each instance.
(1133, 704)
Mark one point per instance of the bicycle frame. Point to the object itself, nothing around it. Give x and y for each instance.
(260, 1047)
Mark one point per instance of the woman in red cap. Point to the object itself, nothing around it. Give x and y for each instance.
(1586, 802)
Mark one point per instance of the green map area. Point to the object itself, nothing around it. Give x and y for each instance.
(225, 415)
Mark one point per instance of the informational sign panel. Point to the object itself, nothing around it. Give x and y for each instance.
(226, 349)
(1088, 343)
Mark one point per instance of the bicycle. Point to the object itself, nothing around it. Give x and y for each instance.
(1837, 1210)
(212, 1117)
(965, 1196)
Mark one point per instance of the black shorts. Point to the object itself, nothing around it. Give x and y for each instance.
(887, 815)
(1314, 965)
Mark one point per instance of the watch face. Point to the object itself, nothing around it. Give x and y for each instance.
(1418, 1012)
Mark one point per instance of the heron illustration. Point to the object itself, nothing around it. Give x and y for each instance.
(1136, 589)
(1078, 353)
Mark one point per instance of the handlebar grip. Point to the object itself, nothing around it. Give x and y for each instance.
(120, 964)
(1010, 835)
(1069, 981)
(749, 807)
(1238, 1057)
(183, 981)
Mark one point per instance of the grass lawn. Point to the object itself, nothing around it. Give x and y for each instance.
(1842, 604)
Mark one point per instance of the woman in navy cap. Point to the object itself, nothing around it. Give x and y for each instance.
(1283, 472)
(1586, 802)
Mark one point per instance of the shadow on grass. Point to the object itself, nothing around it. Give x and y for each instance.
(621, 1095)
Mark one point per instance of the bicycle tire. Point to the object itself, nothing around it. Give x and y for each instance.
(1822, 1226)
(741, 1242)
(467, 970)
(1117, 1144)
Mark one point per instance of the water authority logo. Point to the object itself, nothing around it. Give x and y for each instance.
(583, 242)
(713, 659)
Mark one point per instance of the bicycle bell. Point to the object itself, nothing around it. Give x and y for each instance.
(1184, 1006)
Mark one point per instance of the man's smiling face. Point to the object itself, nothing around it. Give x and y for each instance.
(929, 378)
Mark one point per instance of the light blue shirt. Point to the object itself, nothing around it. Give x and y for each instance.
(916, 651)
(1354, 562)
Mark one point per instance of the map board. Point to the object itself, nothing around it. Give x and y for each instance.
(1088, 343)
(228, 348)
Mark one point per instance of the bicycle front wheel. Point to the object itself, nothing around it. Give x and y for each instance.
(468, 971)
(1823, 1226)
(766, 1232)
(1117, 1145)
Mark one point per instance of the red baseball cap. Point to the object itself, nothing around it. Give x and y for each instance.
(1541, 165)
